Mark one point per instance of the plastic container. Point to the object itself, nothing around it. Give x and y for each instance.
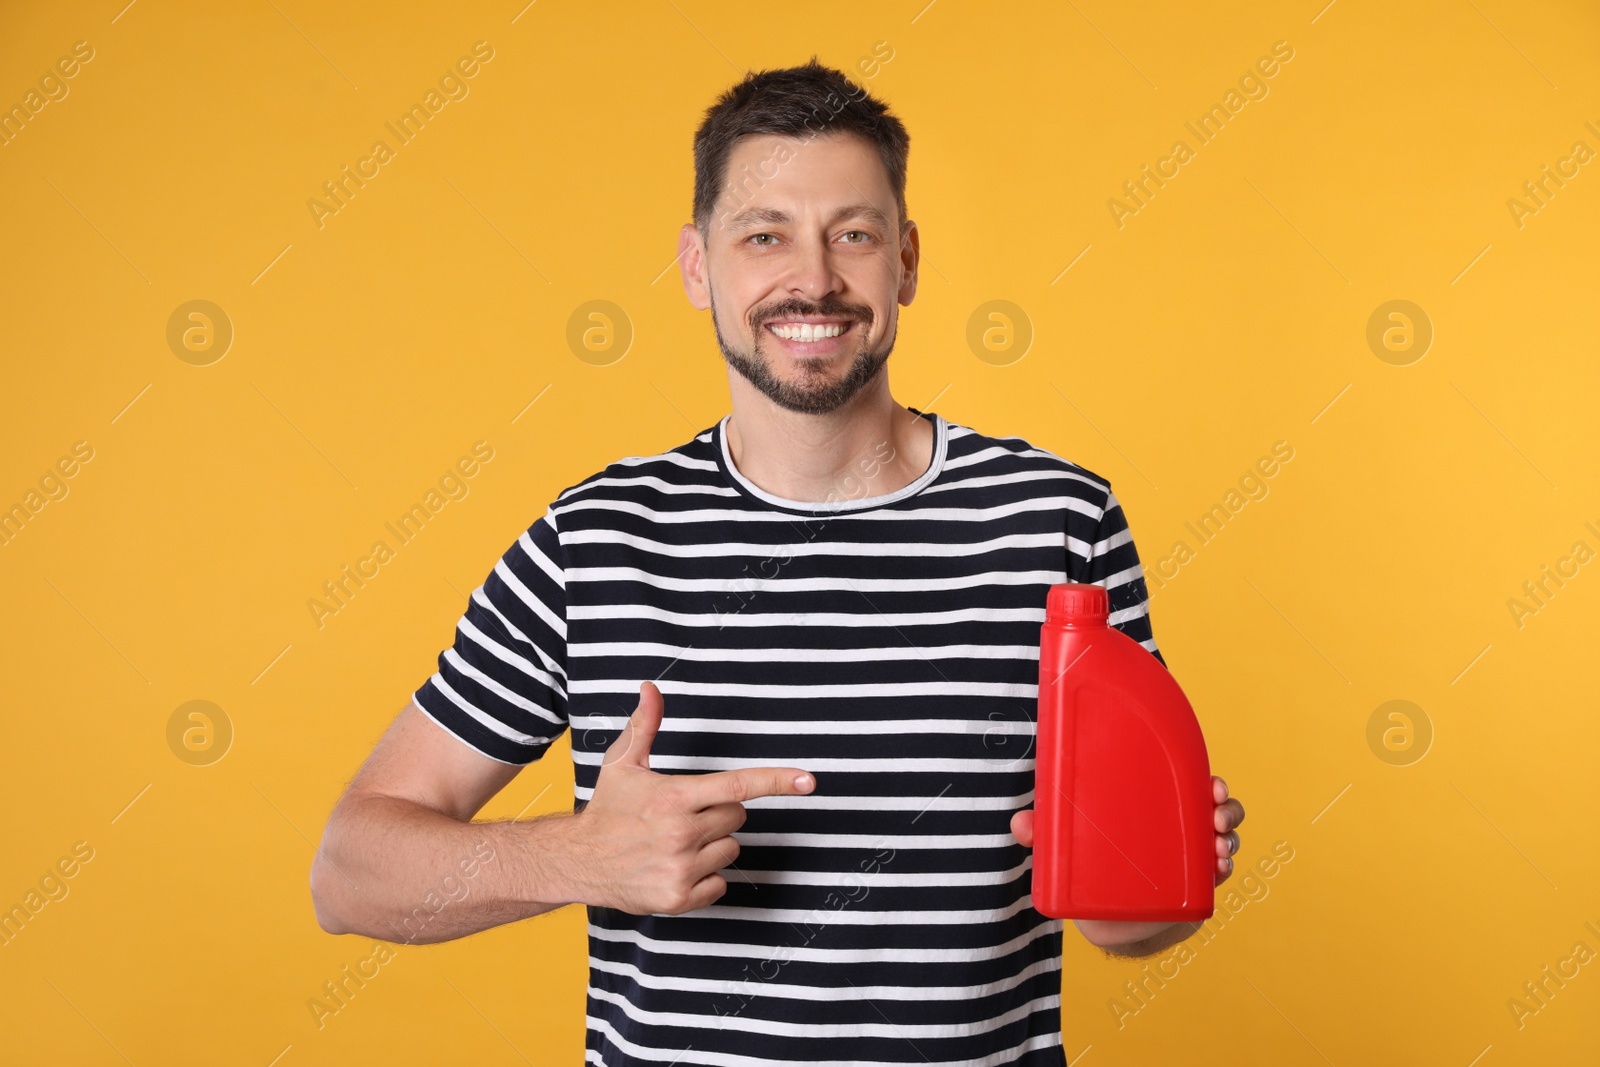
(1123, 811)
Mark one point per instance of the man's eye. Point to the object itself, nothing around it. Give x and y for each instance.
(757, 237)
(864, 235)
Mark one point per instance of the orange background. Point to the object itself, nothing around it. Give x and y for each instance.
(1169, 353)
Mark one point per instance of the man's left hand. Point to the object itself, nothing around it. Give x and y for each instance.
(1145, 938)
(1229, 814)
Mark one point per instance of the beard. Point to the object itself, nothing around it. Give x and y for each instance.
(815, 393)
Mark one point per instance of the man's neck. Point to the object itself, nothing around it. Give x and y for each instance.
(869, 447)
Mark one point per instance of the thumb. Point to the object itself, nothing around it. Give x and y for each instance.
(633, 744)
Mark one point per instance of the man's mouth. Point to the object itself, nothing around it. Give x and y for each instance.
(809, 332)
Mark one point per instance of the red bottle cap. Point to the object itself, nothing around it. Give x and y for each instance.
(1077, 605)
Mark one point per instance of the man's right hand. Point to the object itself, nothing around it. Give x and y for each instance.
(653, 843)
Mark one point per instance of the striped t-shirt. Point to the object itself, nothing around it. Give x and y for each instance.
(890, 645)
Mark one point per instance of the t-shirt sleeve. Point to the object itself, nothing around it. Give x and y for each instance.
(501, 687)
(1114, 563)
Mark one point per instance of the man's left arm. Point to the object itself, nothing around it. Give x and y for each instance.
(1112, 560)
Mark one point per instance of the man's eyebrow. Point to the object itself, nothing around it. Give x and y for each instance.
(770, 216)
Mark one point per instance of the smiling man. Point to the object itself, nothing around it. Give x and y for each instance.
(798, 659)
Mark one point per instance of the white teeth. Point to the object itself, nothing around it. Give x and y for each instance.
(805, 331)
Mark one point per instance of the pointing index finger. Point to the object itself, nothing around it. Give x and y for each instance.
(747, 783)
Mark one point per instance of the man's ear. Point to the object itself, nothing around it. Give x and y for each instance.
(910, 257)
(692, 266)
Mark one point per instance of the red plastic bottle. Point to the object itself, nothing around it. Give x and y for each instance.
(1122, 784)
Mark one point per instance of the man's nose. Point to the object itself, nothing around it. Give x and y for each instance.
(813, 275)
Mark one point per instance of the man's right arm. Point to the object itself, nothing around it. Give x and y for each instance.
(402, 861)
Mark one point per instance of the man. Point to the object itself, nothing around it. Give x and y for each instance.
(798, 655)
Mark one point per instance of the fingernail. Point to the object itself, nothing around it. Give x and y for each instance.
(804, 782)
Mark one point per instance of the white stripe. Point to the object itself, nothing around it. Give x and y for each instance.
(489, 722)
(996, 451)
(1121, 618)
(552, 673)
(534, 604)
(676, 459)
(864, 765)
(768, 654)
(792, 991)
(917, 804)
(1080, 548)
(514, 699)
(991, 514)
(844, 728)
(724, 1059)
(651, 481)
(886, 954)
(867, 617)
(864, 803)
(1123, 577)
(1104, 546)
(941, 687)
(1012, 478)
(755, 582)
(849, 549)
(908, 1031)
(845, 915)
(480, 596)
(537, 554)
(882, 879)
(896, 841)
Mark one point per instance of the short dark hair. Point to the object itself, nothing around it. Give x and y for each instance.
(804, 101)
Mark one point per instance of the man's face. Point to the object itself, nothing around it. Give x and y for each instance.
(804, 268)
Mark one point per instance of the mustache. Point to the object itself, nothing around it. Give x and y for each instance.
(827, 309)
